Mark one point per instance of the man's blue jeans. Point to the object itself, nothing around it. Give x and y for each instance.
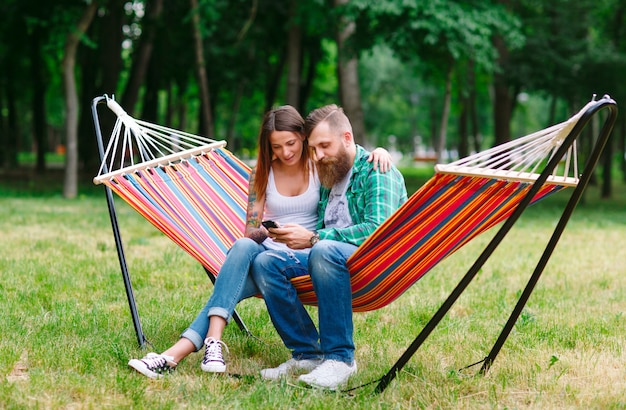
(326, 263)
(232, 285)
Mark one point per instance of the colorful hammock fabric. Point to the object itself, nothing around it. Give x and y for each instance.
(437, 220)
(198, 198)
(198, 203)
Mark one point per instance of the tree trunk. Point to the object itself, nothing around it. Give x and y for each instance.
(348, 76)
(432, 132)
(231, 141)
(87, 59)
(552, 109)
(181, 105)
(463, 132)
(100, 73)
(141, 58)
(110, 56)
(70, 185)
(150, 106)
(314, 54)
(621, 130)
(39, 100)
(502, 100)
(473, 110)
(294, 56)
(443, 127)
(465, 94)
(203, 82)
(274, 81)
(11, 144)
(607, 175)
(4, 130)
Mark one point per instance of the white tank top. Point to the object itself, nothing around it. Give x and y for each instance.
(300, 209)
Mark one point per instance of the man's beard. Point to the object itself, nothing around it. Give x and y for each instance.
(333, 170)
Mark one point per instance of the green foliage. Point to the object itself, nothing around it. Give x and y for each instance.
(437, 31)
(560, 53)
(391, 97)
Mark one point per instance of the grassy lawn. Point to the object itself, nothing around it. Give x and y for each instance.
(67, 333)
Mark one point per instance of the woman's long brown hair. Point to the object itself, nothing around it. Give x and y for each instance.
(283, 118)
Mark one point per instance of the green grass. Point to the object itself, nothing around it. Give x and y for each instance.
(67, 334)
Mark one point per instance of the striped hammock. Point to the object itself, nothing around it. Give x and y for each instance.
(195, 192)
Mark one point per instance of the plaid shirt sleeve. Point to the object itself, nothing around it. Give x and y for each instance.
(372, 197)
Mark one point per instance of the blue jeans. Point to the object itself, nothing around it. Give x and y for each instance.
(232, 285)
(326, 263)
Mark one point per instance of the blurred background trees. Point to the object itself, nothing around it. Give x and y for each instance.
(437, 78)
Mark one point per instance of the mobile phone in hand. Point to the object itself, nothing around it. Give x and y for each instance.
(269, 224)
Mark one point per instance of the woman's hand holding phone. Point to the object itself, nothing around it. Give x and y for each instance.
(269, 224)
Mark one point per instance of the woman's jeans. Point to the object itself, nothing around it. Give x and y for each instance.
(326, 264)
(233, 284)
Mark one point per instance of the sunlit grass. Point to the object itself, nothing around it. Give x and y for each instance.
(67, 332)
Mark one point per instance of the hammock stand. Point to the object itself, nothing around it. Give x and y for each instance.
(528, 187)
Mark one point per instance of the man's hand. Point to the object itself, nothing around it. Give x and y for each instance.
(293, 235)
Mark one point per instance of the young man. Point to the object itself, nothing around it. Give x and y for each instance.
(355, 200)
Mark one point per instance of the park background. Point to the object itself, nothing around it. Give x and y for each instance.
(435, 79)
(431, 80)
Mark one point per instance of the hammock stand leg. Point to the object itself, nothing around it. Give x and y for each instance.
(508, 224)
(569, 209)
(141, 338)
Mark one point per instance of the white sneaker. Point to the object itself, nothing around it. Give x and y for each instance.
(213, 360)
(153, 365)
(289, 367)
(329, 375)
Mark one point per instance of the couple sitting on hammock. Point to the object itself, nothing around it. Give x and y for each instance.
(319, 227)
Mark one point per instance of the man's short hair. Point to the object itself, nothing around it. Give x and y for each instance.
(333, 115)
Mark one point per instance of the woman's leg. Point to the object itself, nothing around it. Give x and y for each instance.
(233, 284)
(179, 350)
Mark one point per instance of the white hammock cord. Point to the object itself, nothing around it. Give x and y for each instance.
(522, 157)
(519, 158)
(150, 143)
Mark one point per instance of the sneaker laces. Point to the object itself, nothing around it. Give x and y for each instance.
(213, 350)
(157, 363)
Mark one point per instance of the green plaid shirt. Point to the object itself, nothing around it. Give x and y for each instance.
(372, 197)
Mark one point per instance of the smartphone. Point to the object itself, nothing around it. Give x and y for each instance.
(269, 224)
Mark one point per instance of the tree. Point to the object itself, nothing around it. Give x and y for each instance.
(441, 33)
(101, 69)
(12, 26)
(142, 54)
(575, 49)
(205, 95)
(294, 55)
(70, 186)
(348, 74)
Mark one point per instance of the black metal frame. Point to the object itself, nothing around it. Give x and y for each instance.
(141, 337)
(605, 103)
(506, 227)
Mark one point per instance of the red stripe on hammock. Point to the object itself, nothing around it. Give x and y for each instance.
(202, 209)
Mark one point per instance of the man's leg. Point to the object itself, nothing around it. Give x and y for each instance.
(272, 271)
(331, 281)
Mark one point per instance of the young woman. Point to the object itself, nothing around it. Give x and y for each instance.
(283, 187)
